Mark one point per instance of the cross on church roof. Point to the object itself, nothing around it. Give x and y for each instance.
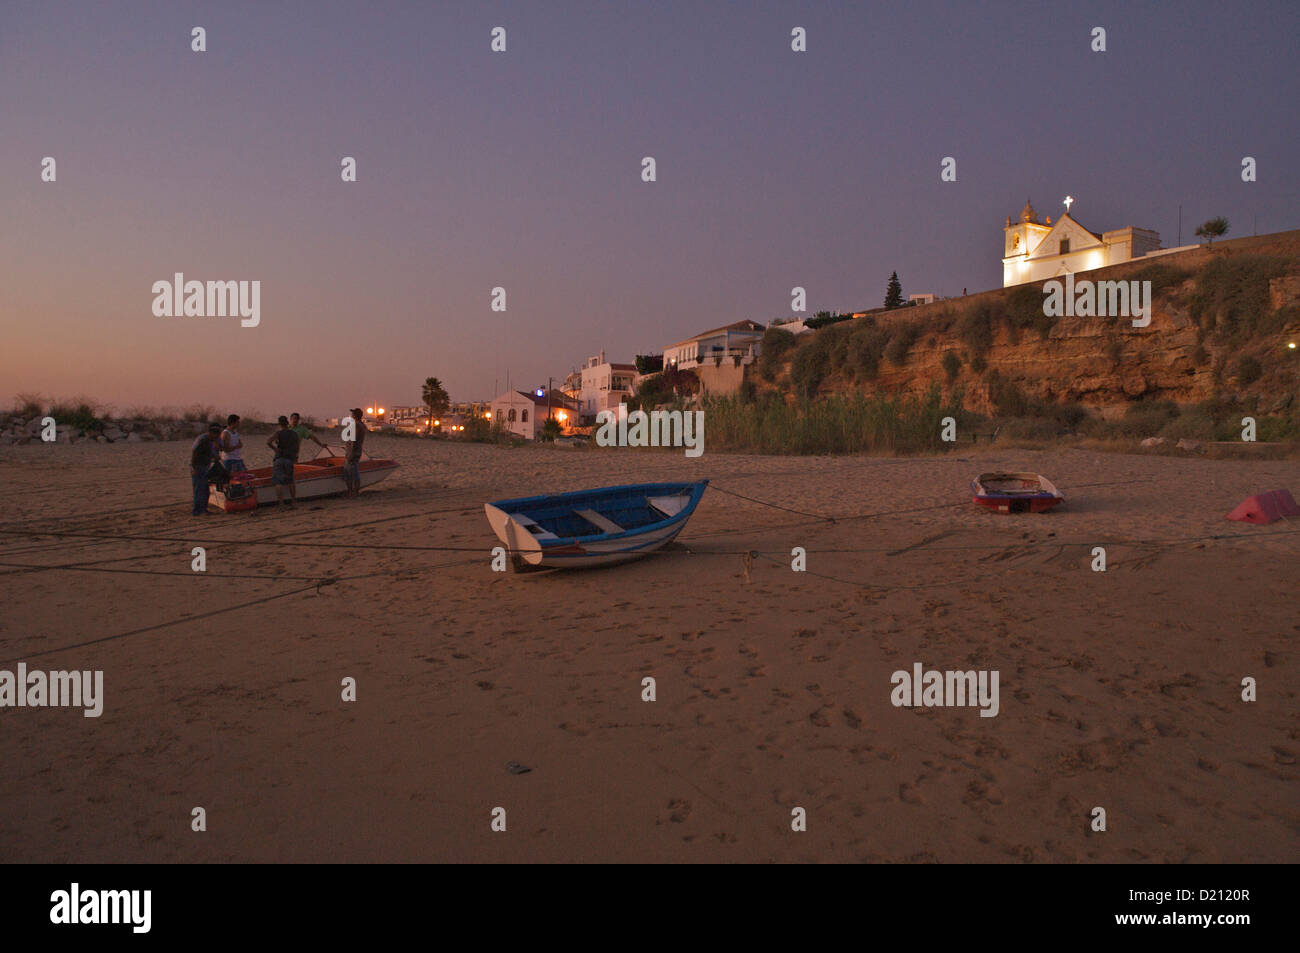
(1069, 200)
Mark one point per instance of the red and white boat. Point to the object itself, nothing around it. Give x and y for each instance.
(1015, 492)
(320, 476)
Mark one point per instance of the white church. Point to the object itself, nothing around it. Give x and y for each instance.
(1037, 250)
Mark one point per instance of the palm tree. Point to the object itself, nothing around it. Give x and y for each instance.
(435, 398)
(1212, 229)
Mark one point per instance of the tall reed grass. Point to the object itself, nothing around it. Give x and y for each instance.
(840, 424)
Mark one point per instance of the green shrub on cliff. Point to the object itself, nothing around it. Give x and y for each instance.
(900, 342)
(976, 328)
(1231, 297)
(867, 342)
(776, 344)
(1248, 371)
(951, 365)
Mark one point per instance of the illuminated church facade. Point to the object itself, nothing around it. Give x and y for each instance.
(1035, 251)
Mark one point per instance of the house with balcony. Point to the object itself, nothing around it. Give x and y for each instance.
(604, 385)
(737, 343)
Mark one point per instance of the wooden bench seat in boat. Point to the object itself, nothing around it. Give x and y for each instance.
(599, 521)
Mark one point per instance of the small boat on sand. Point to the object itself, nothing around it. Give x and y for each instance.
(1015, 492)
(320, 476)
(593, 527)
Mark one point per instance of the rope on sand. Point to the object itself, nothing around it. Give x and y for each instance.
(163, 625)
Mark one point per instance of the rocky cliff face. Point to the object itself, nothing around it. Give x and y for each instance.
(1102, 363)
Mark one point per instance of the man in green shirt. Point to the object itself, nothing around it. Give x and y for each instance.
(303, 431)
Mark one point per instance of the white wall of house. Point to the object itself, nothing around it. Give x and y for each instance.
(521, 414)
(517, 413)
(605, 386)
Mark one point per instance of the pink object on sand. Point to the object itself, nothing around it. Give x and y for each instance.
(1266, 507)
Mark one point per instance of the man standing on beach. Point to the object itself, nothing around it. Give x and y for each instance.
(285, 444)
(204, 453)
(352, 462)
(232, 446)
(303, 431)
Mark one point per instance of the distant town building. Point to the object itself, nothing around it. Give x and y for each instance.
(572, 386)
(740, 339)
(1034, 250)
(407, 418)
(524, 413)
(604, 385)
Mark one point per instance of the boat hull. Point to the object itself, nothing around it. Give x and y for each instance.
(521, 525)
(1015, 493)
(313, 479)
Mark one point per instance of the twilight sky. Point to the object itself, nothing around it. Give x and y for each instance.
(523, 170)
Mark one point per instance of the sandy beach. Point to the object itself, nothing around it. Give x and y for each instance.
(1119, 689)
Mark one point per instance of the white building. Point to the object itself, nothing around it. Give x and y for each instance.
(1034, 250)
(795, 327)
(730, 341)
(407, 418)
(926, 298)
(604, 385)
(524, 413)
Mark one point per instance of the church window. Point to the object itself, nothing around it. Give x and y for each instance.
(524, 416)
(512, 415)
(1065, 246)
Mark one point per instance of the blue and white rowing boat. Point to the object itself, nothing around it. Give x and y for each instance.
(593, 527)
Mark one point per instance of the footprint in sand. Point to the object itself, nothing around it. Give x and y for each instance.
(908, 794)
(679, 810)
